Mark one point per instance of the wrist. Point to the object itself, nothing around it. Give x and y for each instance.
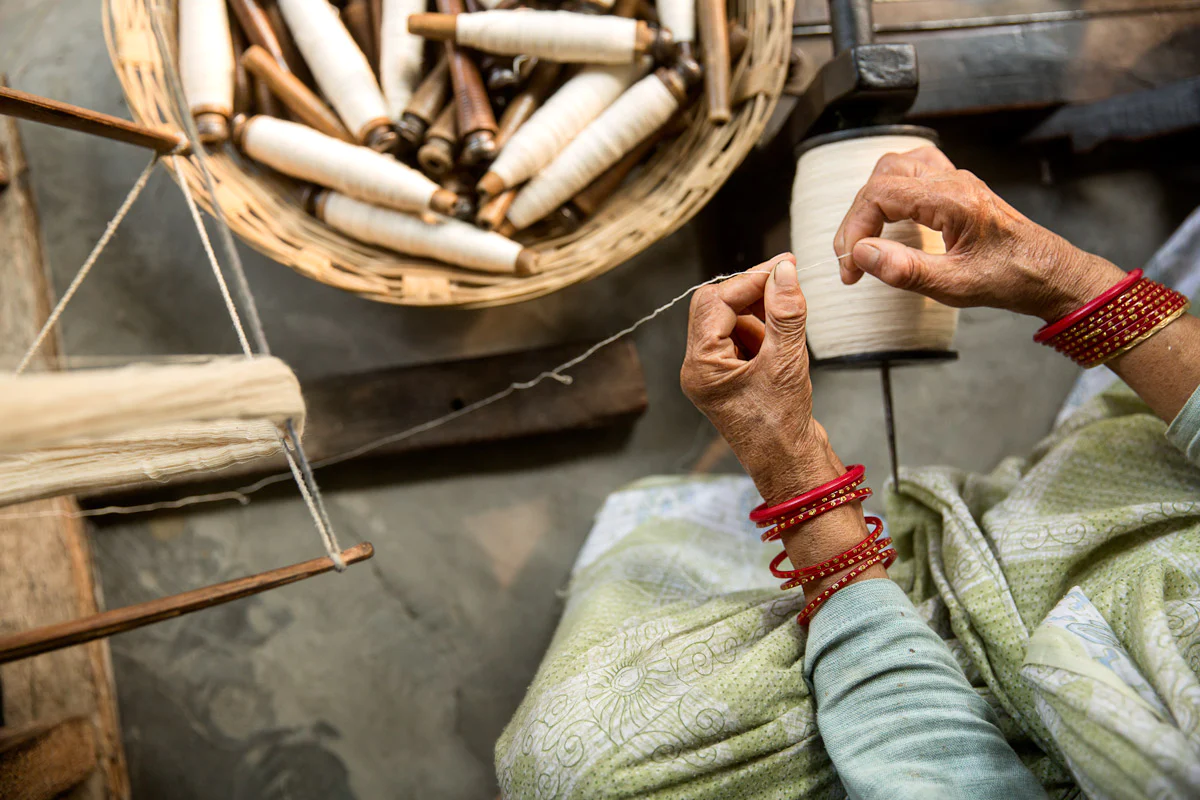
(1081, 278)
(795, 470)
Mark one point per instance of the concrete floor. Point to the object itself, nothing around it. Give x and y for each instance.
(395, 680)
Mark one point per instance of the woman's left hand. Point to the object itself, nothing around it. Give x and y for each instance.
(746, 368)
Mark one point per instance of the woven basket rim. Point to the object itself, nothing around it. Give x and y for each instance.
(669, 190)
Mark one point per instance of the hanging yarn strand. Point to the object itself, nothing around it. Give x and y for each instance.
(242, 495)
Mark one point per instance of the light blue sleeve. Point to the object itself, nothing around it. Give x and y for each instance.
(1184, 431)
(897, 715)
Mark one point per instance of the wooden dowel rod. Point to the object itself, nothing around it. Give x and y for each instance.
(356, 16)
(299, 99)
(255, 23)
(23, 105)
(714, 39)
(243, 85)
(66, 634)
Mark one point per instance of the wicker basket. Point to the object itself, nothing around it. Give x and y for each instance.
(680, 178)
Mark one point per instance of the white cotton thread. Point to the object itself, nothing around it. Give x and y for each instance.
(446, 239)
(339, 67)
(401, 55)
(642, 109)
(242, 494)
(563, 36)
(82, 274)
(679, 17)
(359, 172)
(560, 119)
(206, 64)
(868, 316)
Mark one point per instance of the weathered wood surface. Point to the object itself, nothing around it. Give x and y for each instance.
(43, 760)
(45, 561)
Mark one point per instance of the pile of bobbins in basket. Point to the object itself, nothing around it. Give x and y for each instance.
(470, 156)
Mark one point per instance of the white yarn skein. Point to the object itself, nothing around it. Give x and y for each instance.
(568, 111)
(401, 54)
(359, 172)
(445, 239)
(206, 63)
(679, 17)
(340, 68)
(562, 36)
(636, 114)
(870, 316)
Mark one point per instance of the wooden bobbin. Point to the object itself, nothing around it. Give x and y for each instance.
(426, 103)
(443, 238)
(206, 66)
(524, 104)
(256, 25)
(560, 36)
(401, 55)
(868, 323)
(298, 98)
(679, 17)
(356, 171)
(476, 122)
(437, 155)
(559, 120)
(341, 70)
(291, 53)
(714, 37)
(492, 213)
(635, 116)
(356, 16)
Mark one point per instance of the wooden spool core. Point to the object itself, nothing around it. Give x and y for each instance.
(869, 322)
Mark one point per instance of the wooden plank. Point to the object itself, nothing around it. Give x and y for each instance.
(349, 412)
(45, 561)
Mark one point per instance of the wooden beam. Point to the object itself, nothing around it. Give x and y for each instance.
(45, 561)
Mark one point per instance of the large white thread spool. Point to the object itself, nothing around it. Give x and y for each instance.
(340, 69)
(443, 238)
(868, 322)
(401, 54)
(359, 172)
(206, 66)
(636, 114)
(568, 111)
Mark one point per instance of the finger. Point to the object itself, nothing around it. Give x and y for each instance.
(742, 291)
(930, 201)
(785, 309)
(916, 163)
(901, 266)
(710, 323)
(748, 333)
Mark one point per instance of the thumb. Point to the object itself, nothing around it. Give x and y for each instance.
(784, 306)
(897, 264)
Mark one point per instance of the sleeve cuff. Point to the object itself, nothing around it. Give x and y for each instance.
(1184, 431)
(847, 609)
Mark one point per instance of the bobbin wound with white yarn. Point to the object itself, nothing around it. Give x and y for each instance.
(562, 36)
(568, 111)
(636, 114)
(206, 65)
(400, 55)
(359, 172)
(679, 17)
(447, 239)
(339, 67)
(868, 317)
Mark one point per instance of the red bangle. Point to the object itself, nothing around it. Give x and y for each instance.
(875, 524)
(815, 511)
(1108, 319)
(1136, 334)
(877, 547)
(823, 493)
(887, 557)
(1132, 324)
(1057, 327)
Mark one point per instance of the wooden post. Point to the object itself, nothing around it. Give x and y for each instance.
(45, 561)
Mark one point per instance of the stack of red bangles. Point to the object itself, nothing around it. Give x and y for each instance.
(858, 559)
(1118, 320)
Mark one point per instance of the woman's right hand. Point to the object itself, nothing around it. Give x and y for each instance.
(995, 256)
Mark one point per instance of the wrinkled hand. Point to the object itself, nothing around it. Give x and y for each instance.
(994, 257)
(746, 368)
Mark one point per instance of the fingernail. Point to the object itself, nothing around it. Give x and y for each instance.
(866, 255)
(785, 274)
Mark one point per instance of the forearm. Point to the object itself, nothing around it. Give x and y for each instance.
(896, 713)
